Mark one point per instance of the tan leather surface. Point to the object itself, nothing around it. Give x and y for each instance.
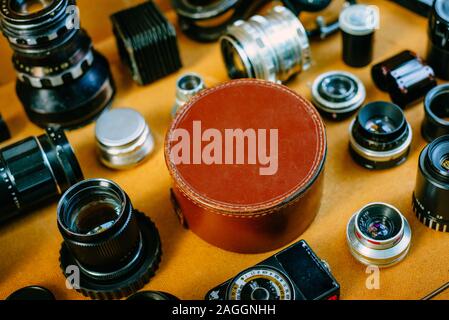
(190, 267)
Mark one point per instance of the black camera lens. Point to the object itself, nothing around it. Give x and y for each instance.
(35, 171)
(116, 248)
(431, 195)
(380, 136)
(61, 79)
(5, 134)
(32, 293)
(438, 45)
(378, 234)
(436, 118)
(338, 94)
(151, 296)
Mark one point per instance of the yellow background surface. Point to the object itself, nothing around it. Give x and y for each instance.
(29, 246)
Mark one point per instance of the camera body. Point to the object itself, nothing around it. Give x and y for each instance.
(295, 273)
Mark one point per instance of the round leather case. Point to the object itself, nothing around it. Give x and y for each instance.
(247, 158)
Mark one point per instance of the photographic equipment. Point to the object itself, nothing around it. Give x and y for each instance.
(380, 136)
(61, 79)
(421, 7)
(214, 191)
(438, 45)
(378, 234)
(207, 20)
(146, 42)
(116, 248)
(35, 171)
(295, 273)
(436, 118)
(151, 295)
(4, 130)
(273, 47)
(436, 292)
(187, 86)
(358, 24)
(338, 94)
(431, 195)
(31, 293)
(123, 138)
(405, 77)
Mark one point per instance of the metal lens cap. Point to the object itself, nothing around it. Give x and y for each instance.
(32, 293)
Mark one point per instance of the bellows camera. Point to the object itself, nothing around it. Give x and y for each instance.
(293, 274)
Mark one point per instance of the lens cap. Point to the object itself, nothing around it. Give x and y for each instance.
(32, 293)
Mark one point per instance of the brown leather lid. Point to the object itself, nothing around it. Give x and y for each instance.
(250, 104)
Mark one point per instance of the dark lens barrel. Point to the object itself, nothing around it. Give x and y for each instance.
(436, 118)
(116, 248)
(35, 171)
(405, 76)
(438, 45)
(431, 195)
(61, 79)
(380, 136)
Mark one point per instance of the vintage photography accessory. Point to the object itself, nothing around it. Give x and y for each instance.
(380, 136)
(274, 47)
(207, 20)
(187, 86)
(338, 94)
(358, 24)
(436, 117)
(123, 138)
(61, 79)
(32, 293)
(379, 235)
(405, 76)
(116, 248)
(151, 296)
(438, 44)
(268, 201)
(146, 42)
(295, 273)
(36, 171)
(431, 195)
(5, 134)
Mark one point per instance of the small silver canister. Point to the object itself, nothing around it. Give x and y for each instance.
(123, 138)
(187, 86)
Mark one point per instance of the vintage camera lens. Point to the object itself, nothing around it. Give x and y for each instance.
(438, 45)
(35, 171)
(31, 293)
(405, 77)
(431, 195)
(187, 86)
(358, 24)
(436, 118)
(123, 138)
(5, 134)
(273, 47)
(116, 248)
(378, 234)
(380, 136)
(62, 80)
(338, 94)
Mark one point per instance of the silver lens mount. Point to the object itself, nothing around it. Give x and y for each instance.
(273, 47)
(378, 234)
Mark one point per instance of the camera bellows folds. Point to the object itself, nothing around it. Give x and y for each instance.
(116, 248)
(146, 42)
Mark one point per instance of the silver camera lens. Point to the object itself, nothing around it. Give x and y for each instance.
(187, 86)
(273, 47)
(123, 138)
(338, 94)
(378, 234)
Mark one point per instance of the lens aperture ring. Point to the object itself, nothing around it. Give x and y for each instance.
(428, 218)
(73, 73)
